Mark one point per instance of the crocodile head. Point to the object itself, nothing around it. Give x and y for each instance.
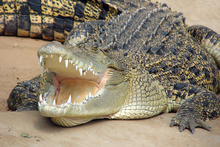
(80, 84)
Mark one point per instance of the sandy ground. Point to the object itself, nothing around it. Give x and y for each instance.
(19, 62)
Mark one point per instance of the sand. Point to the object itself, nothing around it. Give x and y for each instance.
(19, 62)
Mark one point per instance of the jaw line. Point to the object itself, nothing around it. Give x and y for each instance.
(47, 109)
(70, 122)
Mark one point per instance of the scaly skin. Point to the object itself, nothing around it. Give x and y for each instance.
(138, 65)
(51, 19)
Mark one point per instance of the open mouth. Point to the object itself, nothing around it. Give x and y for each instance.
(73, 81)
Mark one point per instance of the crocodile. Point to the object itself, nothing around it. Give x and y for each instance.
(140, 63)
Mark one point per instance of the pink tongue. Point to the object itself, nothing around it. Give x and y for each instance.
(78, 89)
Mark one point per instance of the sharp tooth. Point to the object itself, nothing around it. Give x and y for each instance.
(42, 69)
(80, 71)
(71, 61)
(61, 105)
(44, 103)
(76, 67)
(51, 56)
(77, 104)
(74, 103)
(90, 95)
(40, 59)
(60, 59)
(46, 56)
(40, 98)
(96, 73)
(84, 73)
(69, 100)
(39, 104)
(54, 103)
(66, 63)
(84, 102)
(87, 97)
(93, 72)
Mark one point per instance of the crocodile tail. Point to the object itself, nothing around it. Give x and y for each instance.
(209, 39)
(50, 19)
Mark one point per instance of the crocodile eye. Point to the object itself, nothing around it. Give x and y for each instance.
(105, 50)
(94, 48)
(91, 47)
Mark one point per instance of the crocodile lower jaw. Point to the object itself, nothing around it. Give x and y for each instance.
(70, 122)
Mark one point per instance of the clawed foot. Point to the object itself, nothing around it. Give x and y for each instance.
(188, 122)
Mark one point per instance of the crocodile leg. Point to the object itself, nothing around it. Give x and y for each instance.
(208, 38)
(24, 95)
(200, 105)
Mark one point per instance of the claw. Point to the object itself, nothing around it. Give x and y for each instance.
(190, 123)
(182, 128)
(204, 125)
(172, 123)
(192, 130)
